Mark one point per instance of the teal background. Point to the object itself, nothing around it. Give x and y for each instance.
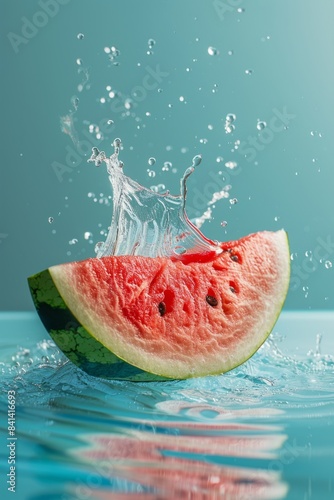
(289, 183)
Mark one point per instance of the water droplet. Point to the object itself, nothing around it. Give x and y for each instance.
(80, 36)
(75, 102)
(179, 250)
(128, 103)
(115, 52)
(166, 166)
(219, 159)
(181, 98)
(229, 128)
(151, 43)
(110, 122)
(50, 220)
(233, 201)
(230, 52)
(231, 164)
(210, 127)
(160, 188)
(196, 160)
(249, 71)
(328, 264)
(212, 51)
(151, 173)
(315, 132)
(261, 125)
(151, 161)
(231, 117)
(79, 62)
(240, 10)
(223, 223)
(98, 246)
(117, 144)
(88, 235)
(73, 241)
(160, 90)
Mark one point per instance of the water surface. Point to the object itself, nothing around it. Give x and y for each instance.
(264, 430)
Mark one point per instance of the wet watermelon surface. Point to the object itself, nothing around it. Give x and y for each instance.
(176, 318)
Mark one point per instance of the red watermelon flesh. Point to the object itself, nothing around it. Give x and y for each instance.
(177, 318)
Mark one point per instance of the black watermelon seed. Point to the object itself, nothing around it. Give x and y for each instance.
(212, 301)
(235, 258)
(162, 308)
(233, 289)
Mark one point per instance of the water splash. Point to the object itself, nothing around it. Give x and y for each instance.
(67, 126)
(40, 372)
(148, 223)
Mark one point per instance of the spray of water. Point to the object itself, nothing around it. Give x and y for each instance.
(148, 223)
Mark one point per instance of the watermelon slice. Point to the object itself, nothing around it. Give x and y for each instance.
(144, 318)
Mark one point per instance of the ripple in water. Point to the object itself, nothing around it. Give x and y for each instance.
(270, 375)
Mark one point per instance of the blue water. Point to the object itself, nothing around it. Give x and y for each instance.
(263, 431)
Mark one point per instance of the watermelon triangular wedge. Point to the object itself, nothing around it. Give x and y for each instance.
(144, 318)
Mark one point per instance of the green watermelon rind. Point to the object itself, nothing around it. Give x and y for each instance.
(74, 340)
(85, 351)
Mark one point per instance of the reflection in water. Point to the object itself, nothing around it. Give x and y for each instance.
(183, 460)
